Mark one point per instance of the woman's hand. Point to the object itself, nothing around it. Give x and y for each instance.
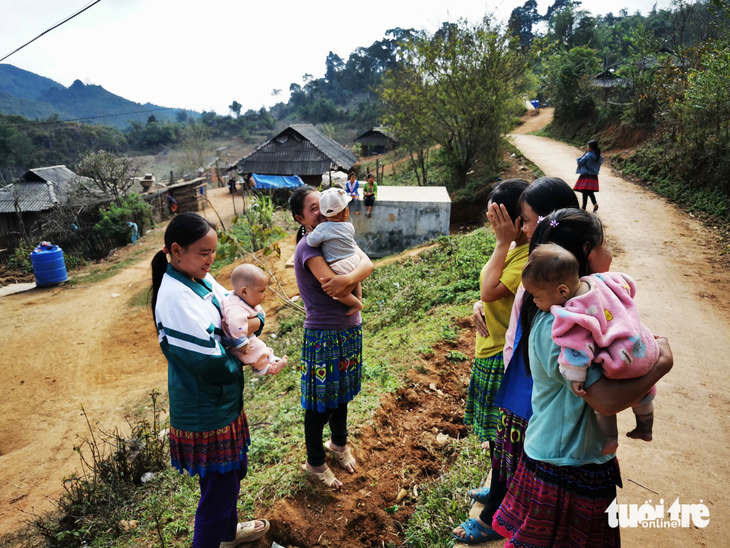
(336, 286)
(505, 229)
(479, 322)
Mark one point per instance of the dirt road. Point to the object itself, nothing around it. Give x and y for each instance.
(683, 293)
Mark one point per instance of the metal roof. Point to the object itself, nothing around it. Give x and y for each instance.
(301, 149)
(52, 174)
(29, 197)
(373, 132)
(39, 189)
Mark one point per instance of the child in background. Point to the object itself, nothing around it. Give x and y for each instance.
(249, 289)
(588, 167)
(596, 320)
(351, 187)
(369, 193)
(337, 239)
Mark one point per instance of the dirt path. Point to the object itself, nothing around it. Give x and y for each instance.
(683, 293)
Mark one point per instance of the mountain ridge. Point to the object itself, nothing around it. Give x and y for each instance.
(36, 97)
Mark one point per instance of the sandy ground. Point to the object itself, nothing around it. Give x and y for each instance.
(683, 293)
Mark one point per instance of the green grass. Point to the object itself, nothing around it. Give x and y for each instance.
(410, 306)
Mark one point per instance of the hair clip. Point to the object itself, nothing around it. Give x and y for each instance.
(539, 219)
(554, 223)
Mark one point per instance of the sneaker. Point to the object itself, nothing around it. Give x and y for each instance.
(245, 533)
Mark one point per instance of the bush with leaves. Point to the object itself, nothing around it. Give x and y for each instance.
(113, 223)
(569, 81)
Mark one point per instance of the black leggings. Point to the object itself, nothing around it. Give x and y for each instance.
(588, 194)
(497, 492)
(314, 426)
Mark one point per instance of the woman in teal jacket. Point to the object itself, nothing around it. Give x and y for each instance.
(208, 428)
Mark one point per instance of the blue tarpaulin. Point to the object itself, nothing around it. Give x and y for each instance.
(266, 182)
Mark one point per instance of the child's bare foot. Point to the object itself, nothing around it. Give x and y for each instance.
(644, 427)
(610, 446)
(277, 366)
(353, 309)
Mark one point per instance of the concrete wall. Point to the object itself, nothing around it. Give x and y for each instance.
(402, 217)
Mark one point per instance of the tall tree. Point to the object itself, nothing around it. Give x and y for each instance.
(459, 87)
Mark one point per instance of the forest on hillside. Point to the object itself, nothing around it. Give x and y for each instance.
(661, 75)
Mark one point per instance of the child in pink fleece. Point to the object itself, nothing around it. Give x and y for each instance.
(249, 289)
(596, 320)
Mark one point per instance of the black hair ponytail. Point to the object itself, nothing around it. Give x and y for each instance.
(184, 229)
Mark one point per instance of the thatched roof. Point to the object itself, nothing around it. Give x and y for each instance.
(301, 149)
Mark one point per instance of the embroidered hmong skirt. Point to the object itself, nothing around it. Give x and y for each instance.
(560, 506)
(587, 182)
(216, 451)
(486, 376)
(508, 445)
(331, 367)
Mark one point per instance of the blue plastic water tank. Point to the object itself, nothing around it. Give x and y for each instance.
(48, 265)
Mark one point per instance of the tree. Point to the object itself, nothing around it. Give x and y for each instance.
(458, 88)
(196, 147)
(569, 81)
(522, 20)
(235, 107)
(111, 174)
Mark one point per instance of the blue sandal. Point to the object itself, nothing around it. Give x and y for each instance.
(475, 533)
(479, 495)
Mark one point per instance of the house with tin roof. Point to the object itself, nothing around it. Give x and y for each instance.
(377, 140)
(301, 149)
(23, 203)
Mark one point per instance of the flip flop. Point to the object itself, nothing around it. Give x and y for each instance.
(345, 457)
(326, 477)
(246, 532)
(475, 533)
(479, 495)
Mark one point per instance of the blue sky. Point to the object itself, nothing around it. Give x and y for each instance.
(202, 55)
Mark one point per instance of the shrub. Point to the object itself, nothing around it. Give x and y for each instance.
(113, 223)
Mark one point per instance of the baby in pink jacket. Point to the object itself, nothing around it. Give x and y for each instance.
(596, 320)
(249, 289)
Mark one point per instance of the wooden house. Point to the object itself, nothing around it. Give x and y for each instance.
(377, 140)
(301, 149)
(23, 203)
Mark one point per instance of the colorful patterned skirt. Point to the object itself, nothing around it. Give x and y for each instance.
(486, 376)
(561, 506)
(331, 367)
(508, 445)
(587, 182)
(216, 451)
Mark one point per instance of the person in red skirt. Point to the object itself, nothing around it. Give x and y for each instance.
(588, 167)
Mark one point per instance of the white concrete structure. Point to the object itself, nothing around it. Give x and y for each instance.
(402, 217)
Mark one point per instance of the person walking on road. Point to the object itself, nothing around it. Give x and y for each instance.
(588, 167)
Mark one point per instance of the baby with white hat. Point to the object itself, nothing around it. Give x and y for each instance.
(336, 237)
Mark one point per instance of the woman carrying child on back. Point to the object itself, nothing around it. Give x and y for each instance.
(588, 167)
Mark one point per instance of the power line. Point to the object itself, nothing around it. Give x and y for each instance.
(48, 122)
(82, 10)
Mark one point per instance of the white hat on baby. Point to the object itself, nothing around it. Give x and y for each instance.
(332, 201)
